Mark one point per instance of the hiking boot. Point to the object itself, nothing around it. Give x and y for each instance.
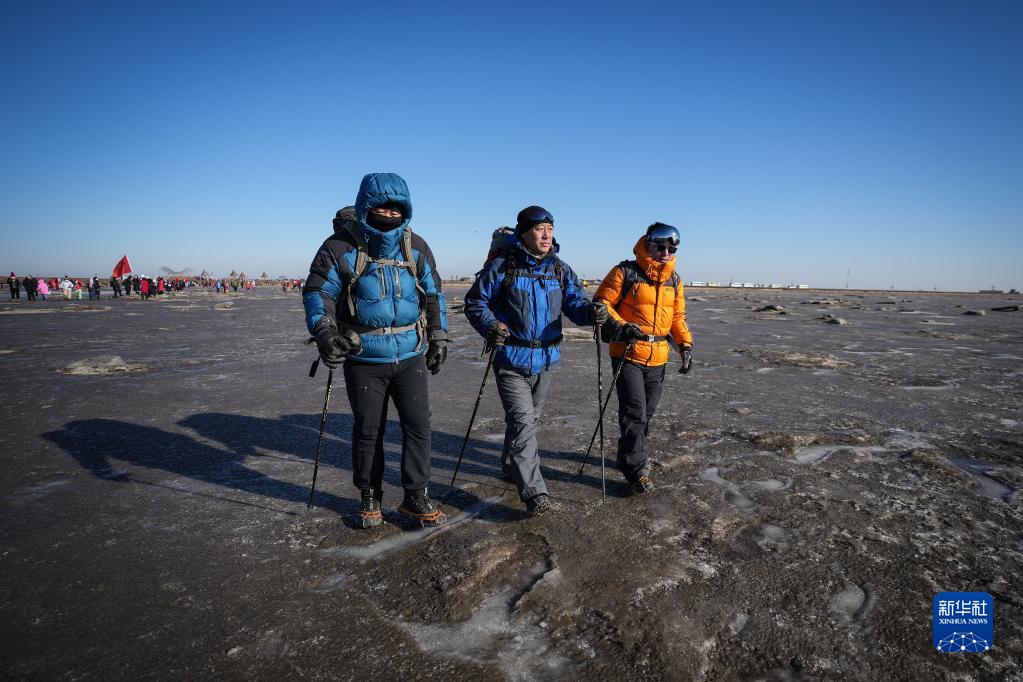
(418, 507)
(538, 504)
(369, 514)
(641, 485)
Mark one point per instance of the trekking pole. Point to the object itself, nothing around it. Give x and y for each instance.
(472, 419)
(600, 417)
(323, 425)
(600, 421)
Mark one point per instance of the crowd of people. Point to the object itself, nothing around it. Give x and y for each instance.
(374, 304)
(71, 289)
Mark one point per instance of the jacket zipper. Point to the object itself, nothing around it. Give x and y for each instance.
(657, 305)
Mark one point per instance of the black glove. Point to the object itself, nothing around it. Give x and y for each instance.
(436, 354)
(631, 333)
(333, 346)
(496, 334)
(598, 313)
(687, 359)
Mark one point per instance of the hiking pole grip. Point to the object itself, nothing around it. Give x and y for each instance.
(319, 441)
(600, 418)
(472, 419)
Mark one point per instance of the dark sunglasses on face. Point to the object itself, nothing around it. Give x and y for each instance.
(664, 247)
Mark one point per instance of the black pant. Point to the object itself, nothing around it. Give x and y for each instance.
(639, 390)
(369, 386)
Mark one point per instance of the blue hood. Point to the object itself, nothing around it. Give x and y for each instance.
(376, 190)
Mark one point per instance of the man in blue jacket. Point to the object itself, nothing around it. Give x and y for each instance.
(517, 303)
(373, 301)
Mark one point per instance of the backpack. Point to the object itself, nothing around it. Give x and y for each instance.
(345, 220)
(633, 275)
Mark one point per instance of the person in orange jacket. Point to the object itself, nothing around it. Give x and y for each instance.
(647, 315)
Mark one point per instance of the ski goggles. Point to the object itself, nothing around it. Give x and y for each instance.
(537, 215)
(659, 233)
(663, 246)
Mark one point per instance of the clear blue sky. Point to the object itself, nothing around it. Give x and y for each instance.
(789, 141)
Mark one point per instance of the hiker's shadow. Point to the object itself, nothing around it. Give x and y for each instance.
(616, 486)
(97, 444)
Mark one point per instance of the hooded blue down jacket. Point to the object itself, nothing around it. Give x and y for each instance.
(386, 295)
(531, 306)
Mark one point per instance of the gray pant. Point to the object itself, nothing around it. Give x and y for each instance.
(523, 398)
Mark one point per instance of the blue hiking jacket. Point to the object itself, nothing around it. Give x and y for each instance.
(531, 307)
(385, 295)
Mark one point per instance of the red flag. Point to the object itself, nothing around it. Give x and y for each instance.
(123, 267)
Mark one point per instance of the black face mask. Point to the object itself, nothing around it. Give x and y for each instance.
(383, 222)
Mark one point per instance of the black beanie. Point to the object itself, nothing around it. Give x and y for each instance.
(530, 216)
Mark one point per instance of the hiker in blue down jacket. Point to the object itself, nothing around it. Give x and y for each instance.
(373, 301)
(517, 303)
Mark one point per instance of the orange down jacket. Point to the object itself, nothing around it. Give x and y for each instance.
(657, 307)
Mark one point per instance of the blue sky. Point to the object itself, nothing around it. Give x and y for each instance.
(789, 141)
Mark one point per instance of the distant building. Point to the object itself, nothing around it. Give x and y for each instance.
(694, 283)
(990, 291)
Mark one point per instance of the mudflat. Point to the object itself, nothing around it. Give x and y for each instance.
(833, 461)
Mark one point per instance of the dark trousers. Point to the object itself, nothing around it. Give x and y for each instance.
(639, 391)
(369, 386)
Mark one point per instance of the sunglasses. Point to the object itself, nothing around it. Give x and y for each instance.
(663, 247)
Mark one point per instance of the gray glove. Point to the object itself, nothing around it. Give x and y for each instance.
(496, 334)
(598, 313)
(687, 359)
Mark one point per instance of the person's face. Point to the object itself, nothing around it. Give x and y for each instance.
(661, 252)
(539, 238)
(382, 212)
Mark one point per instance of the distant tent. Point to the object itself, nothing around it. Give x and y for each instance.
(205, 273)
(242, 275)
(234, 273)
(264, 275)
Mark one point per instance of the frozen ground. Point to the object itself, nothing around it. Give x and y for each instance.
(818, 483)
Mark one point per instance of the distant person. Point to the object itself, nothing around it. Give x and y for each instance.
(94, 288)
(66, 287)
(647, 309)
(136, 284)
(115, 285)
(14, 285)
(387, 332)
(31, 285)
(44, 289)
(516, 303)
(145, 288)
(78, 289)
(160, 286)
